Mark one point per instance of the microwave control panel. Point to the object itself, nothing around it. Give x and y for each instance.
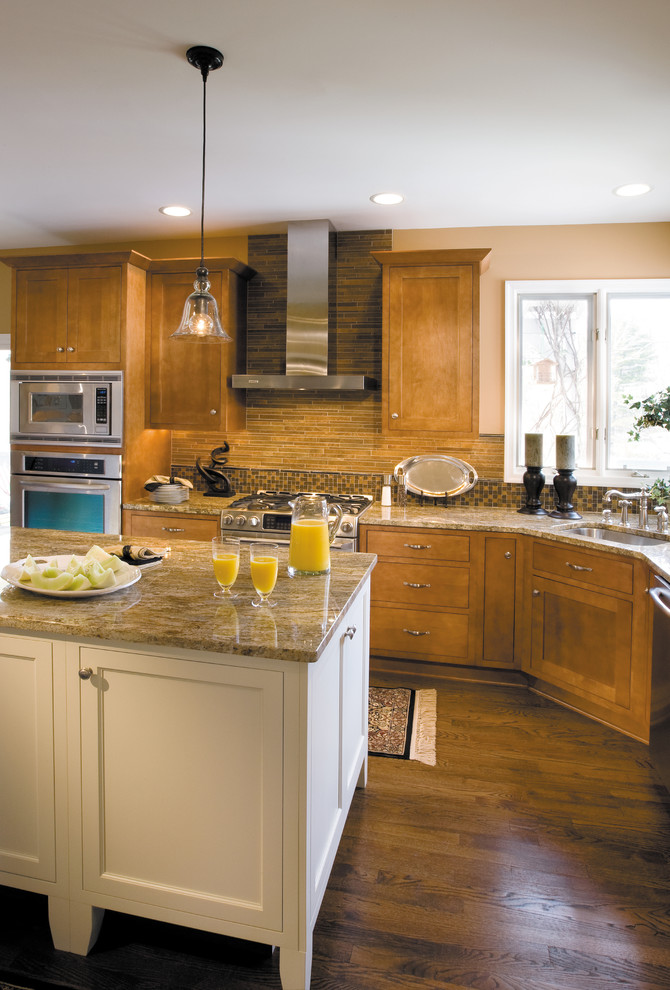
(102, 407)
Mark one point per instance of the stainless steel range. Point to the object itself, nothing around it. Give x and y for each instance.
(266, 515)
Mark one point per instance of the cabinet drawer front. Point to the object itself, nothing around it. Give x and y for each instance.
(600, 570)
(421, 584)
(405, 632)
(419, 544)
(173, 525)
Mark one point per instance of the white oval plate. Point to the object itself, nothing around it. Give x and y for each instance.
(11, 573)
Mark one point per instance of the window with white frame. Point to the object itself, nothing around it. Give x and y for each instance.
(574, 351)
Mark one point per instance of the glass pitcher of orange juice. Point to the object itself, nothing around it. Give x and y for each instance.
(313, 529)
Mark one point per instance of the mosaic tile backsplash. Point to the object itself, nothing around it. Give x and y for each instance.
(488, 494)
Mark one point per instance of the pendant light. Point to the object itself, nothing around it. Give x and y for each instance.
(201, 316)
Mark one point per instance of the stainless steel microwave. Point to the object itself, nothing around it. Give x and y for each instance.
(82, 407)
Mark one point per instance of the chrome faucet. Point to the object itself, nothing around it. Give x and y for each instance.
(661, 518)
(625, 499)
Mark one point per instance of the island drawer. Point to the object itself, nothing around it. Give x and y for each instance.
(422, 634)
(590, 568)
(421, 584)
(418, 544)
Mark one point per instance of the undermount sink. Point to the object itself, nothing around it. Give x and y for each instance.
(616, 536)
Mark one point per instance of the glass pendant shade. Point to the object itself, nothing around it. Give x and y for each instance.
(201, 314)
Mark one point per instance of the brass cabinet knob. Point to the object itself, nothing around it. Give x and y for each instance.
(85, 673)
(212, 412)
(69, 348)
(508, 555)
(394, 415)
(536, 593)
(60, 349)
(351, 632)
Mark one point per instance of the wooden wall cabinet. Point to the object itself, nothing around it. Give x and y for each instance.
(188, 384)
(73, 311)
(589, 633)
(430, 341)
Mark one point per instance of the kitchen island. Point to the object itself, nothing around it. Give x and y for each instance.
(174, 756)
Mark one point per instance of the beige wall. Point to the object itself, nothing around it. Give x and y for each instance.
(620, 250)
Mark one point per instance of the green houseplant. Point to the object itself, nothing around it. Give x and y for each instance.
(654, 411)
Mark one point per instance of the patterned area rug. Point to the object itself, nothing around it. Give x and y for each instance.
(402, 724)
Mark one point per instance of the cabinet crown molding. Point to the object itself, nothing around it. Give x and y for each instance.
(477, 257)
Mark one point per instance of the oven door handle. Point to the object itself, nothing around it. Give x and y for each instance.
(66, 486)
(657, 595)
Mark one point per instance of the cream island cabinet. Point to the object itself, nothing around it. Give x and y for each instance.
(204, 786)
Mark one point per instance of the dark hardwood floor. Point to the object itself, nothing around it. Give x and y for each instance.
(534, 856)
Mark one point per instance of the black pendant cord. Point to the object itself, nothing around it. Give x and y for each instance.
(204, 146)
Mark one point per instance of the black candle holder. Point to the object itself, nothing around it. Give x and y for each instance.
(564, 486)
(533, 482)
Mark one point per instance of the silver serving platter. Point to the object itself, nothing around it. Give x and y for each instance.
(437, 475)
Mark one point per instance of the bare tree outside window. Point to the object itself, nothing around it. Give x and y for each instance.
(554, 343)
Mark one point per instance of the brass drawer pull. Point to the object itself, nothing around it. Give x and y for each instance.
(417, 546)
(577, 567)
(417, 632)
(411, 584)
(172, 529)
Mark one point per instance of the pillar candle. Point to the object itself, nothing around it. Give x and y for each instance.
(533, 450)
(565, 452)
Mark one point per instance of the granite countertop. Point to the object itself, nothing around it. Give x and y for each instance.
(173, 604)
(480, 518)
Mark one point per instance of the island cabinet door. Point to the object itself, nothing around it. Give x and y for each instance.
(181, 787)
(28, 762)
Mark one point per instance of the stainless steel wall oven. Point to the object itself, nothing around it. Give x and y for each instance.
(80, 492)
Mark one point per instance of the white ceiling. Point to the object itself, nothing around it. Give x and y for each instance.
(481, 112)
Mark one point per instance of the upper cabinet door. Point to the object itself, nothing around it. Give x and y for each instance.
(430, 342)
(94, 316)
(74, 310)
(40, 315)
(189, 379)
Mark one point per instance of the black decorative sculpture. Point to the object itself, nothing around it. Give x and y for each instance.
(217, 482)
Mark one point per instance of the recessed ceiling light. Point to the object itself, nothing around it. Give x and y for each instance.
(632, 189)
(175, 211)
(387, 199)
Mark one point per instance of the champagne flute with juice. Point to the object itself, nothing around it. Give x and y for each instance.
(264, 564)
(226, 562)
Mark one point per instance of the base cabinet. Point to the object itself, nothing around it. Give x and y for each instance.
(169, 525)
(589, 635)
(33, 807)
(446, 597)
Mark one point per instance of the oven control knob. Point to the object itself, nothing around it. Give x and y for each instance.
(240, 521)
(347, 527)
(227, 520)
(254, 521)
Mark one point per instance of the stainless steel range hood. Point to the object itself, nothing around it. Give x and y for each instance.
(311, 255)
